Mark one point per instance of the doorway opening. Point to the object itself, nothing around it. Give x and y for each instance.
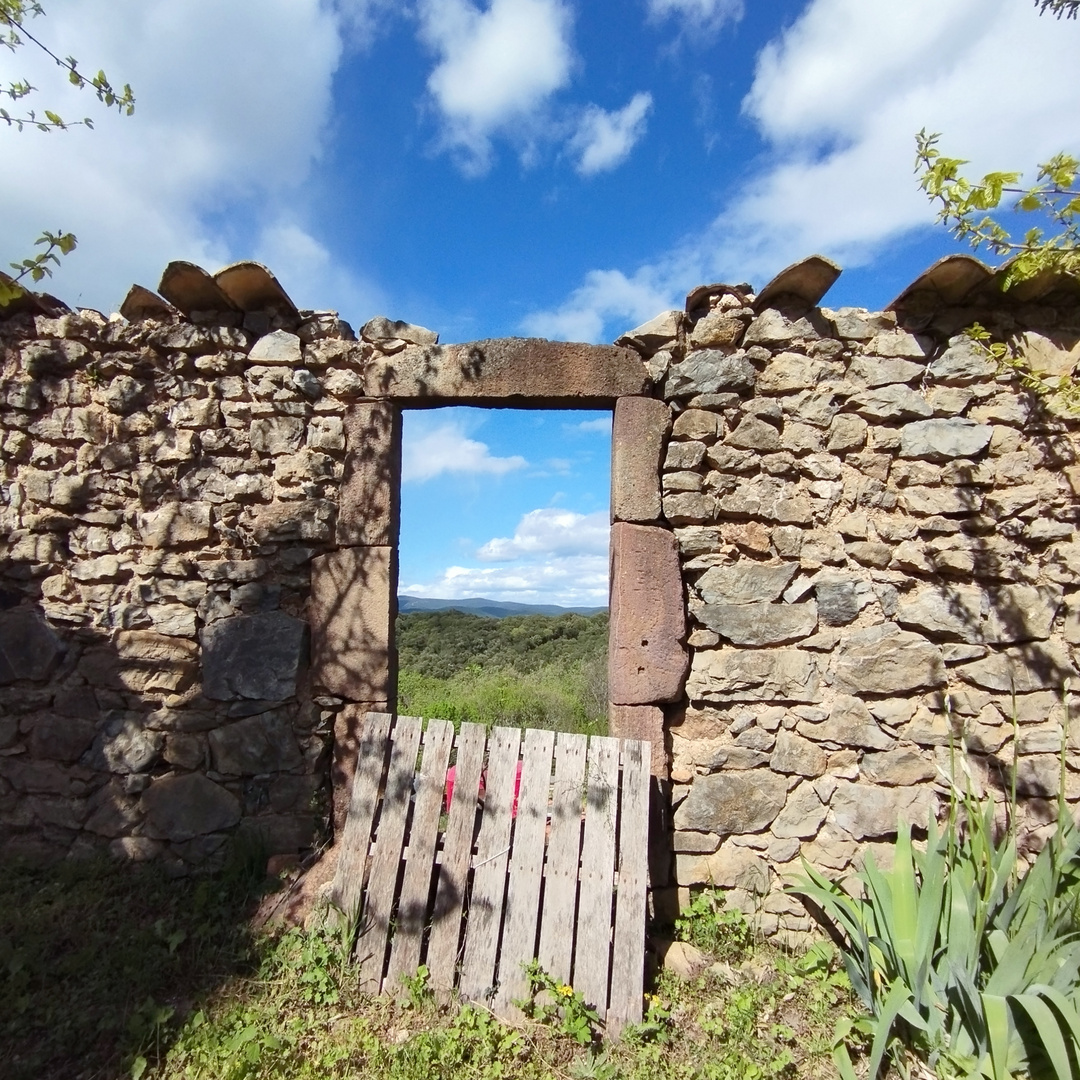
(503, 566)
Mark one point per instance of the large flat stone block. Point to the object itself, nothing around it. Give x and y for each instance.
(638, 437)
(644, 722)
(352, 612)
(368, 504)
(516, 369)
(647, 659)
(28, 647)
(259, 657)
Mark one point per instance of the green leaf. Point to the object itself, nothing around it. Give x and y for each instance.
(1049, 1031)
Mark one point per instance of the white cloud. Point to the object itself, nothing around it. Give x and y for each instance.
(551, 531)
(232, 104)
(446, 449)
(604, 139)
(601, 424)
(701, 13)
(497, 68)
(838, 97)
(573, 581)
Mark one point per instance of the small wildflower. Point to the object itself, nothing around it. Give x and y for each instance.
(566, 990)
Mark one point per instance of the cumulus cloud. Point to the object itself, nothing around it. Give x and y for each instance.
(446, 449)
(232, 103)
(551, 531)
(555, 556)
(604, 139)
(837, 97)
(601, 424)
(497, 67)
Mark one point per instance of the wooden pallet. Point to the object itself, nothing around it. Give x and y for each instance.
(476, 892)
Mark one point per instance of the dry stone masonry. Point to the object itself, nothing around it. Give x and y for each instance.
(844, 570)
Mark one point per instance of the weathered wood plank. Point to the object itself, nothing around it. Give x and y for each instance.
(520, 922)
(412, 906)
(592, 944)
(356, 836)
(628, 952)
(563, 858)
(386, 859)
(442, 952)
(489, 875)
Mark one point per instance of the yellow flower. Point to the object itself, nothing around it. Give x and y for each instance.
(566, 990)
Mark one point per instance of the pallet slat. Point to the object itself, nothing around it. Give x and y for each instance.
(489, 874)
(412, 905)
(627, 971)
(564, 856)
(442, 954)
(371, 941)
(592, 947)
(522, 918)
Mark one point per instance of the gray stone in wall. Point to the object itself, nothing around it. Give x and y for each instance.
(381, 328)
(61, 738)
(124, 746)
(1021, 612)
(259, 744)
(745, 582)
(770, 499)
(732, 803)
(884, 659)
(710, 371)
(945, 439)
(953, 611)
(876, 371)
(179, 808)
(253, 656)
(758, 624)
(29, 649)
(368, 505)
(849, 723)
(175, 523)
(1025, 669)
(892, 403)
(279, 347)
(961, 363)
(791, 371)
(772, 675)
(655, 334)
(866, 812)
(640, 430)
(647, 656)
(754, 434)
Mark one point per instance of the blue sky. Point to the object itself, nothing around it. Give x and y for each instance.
(558, 168)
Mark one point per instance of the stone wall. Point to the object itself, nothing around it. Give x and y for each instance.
(875, 530)
(842, 543)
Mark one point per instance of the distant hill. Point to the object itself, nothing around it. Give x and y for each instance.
(493, 609)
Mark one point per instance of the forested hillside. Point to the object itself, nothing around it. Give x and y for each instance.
(531, 671)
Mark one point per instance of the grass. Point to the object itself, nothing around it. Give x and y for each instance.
(110, 972)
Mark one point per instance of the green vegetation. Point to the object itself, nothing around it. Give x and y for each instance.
(965, 959)
(111, 971)
(525, 671)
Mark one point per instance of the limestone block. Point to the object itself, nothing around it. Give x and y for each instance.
(717, 328)
(709, 371)
(381, 329)
(897, 768)
(644, 722)
(29, 648)
(864, 811)
(515, 369)
(963, 362)
(258, 657)
(694, 843)
(180, 808)
(277, 434)
(368, 501)
(884, 659)
(688, 455)
(802, 816)
(141, 661)
(125, 746)
(257, 744)
(639, 434)
(648, 660)
(768, 498)
(352, 612)
(695, 424)
(754, 434)
(944, 439)
(754, 675)
(794, 754)
(929, 500)
(895, 402)
(175, 523)
(61, 738)
(279, 347)
(846, 432)
(791, 371)
(654, 334)
(689, 508)
(732, 803)
(732, 867)
(877, 371)
(745, 582)
(1025, 669)
(326, 433)
(954, 611)
(758, 624)
(899, 343)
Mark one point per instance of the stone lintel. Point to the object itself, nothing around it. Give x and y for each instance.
(518, 371)
(647, 659)
(353, 604)
(638, 439)
(368, 506)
